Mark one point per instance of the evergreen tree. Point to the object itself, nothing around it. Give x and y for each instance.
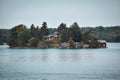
(61, 28)
(75, 32)
(44, 30)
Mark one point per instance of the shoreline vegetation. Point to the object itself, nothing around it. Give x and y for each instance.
(63, 37)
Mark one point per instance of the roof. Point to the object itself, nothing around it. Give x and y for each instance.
(53, 35)
(102, 41)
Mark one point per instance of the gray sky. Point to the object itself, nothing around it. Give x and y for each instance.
(84, 12)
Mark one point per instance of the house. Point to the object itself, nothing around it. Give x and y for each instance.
(51, 37)
(102, 44)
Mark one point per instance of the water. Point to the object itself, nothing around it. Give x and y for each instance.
(60, 64)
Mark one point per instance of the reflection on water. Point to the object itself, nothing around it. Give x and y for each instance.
(32, 58)
(46, 58)
(23, 58)
(74, 57)
(67, 57)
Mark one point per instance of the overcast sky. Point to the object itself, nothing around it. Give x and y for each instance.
(84, 12)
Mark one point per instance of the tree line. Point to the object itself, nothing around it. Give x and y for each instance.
(21, 36)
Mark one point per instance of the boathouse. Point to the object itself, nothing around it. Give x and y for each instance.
(102, 44)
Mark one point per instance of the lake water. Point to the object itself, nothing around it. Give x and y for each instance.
(60, 64)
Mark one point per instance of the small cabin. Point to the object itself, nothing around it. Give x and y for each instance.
(102, 44)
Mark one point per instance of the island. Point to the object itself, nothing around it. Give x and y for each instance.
(63, 37)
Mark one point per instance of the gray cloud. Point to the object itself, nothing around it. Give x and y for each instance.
(85, 12)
